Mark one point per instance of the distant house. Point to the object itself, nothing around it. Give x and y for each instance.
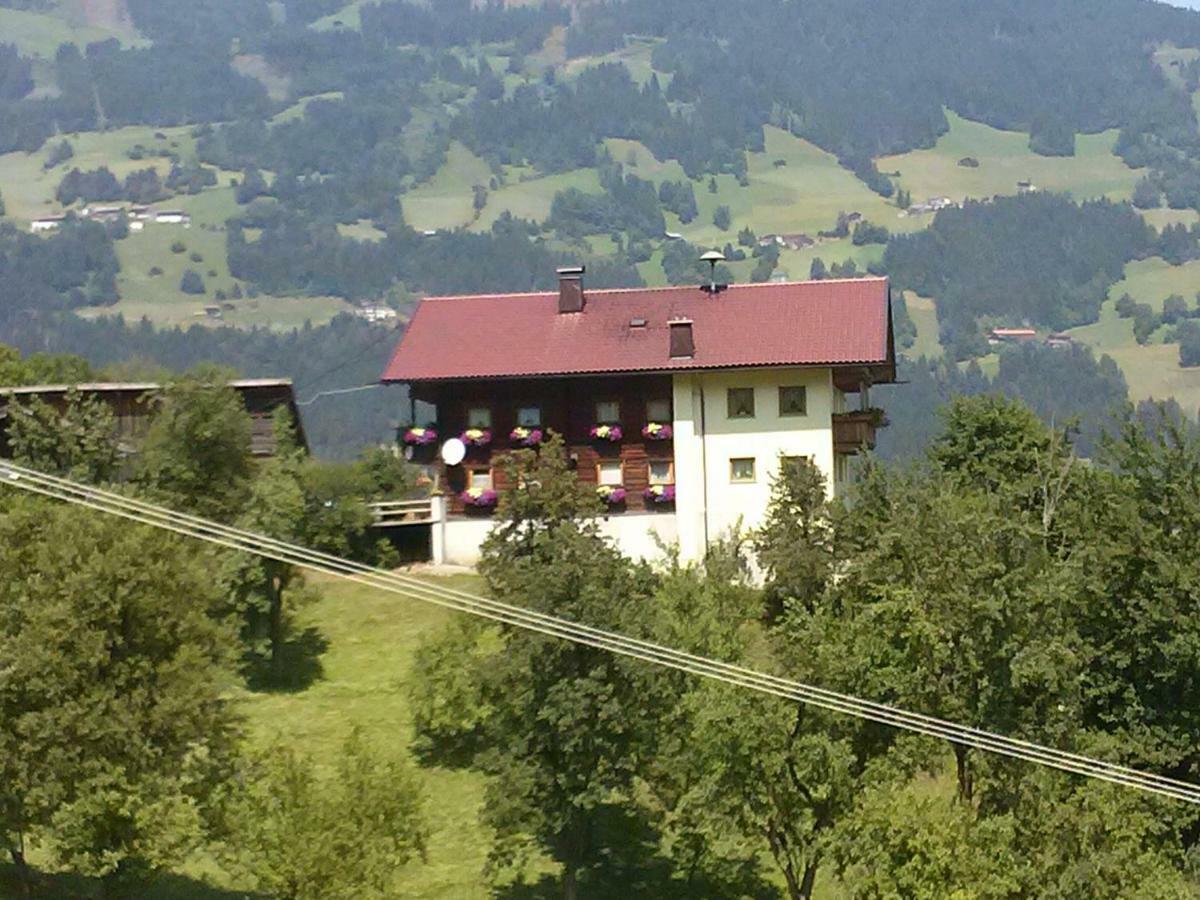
(797, 241)
(136, 225)
(140, 211)
(172, 217)
(1011, 336)
(133, 405)
(1059, 340)
(673, 236)
(213, 311)
(102, 213)
(46, 223)
(1026, 187)
(376, 313)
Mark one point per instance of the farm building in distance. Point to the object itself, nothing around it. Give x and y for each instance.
(133, 405)
(679, 404)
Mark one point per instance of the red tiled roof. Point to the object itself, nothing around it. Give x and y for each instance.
(831, 322)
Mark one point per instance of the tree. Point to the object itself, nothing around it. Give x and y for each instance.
(817, 270)
(78, 442)
(794, 544)
(299, 836)
(192, 283)
(1188, 335)
(722, 217)
(115, 723)
(567, 724)
(197, 450)
(746, 237)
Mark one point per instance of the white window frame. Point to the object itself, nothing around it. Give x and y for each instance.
(650, 464)
(734, 479)
(606, 465)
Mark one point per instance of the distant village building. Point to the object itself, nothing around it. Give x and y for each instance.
(786, 241)
(376, 313)
(1059, 340)
(1026, 187)
(172, 217)
(673, 236)
(1011, 336)
(932, 205)
(677, 405)
(46, 223)
(133, 406)
(102, 213)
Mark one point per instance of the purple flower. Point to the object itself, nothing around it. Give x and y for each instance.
(477, 437)
(606, 433)
(481, 497)
(420, 436)
(660, 493)
(611, 495)
(657, 432)
(526, 437)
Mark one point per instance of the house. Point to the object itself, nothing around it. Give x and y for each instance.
(46, 223)
(133, 405)
(680, 404)
(102, 213)
(1011, 336)
(1026, 186)
(172, 217)
(795, 241)
(376, 313)
(1059, 340)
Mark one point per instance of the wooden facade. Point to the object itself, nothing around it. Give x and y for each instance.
(567, 406)
(132, 405)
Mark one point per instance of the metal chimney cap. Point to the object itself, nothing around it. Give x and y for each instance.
(571, 270)
(713, 256)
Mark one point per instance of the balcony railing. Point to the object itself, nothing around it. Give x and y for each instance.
(855, 431)
(394, 513)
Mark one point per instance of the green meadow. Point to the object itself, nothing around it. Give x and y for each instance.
(42, 33)
(1004, 159)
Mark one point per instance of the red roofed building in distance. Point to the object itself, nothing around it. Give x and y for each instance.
(679, 404)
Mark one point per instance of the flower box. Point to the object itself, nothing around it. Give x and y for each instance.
(526, 437)
(660, 494)
(656, 431)
(613, 496)
(476, 437)
(420, 437)
(606, 433)
(483, 498)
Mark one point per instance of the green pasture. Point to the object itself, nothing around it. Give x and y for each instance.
(1153, 280)
(445, 201)
(296, 110)
(635, 56)
(42, 33)
(1004, 159)
(348, 17)
(532, 198)
(28, 189)
(1161, 218)
(923, 313)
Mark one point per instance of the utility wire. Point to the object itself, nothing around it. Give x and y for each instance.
(461, 601)
(353, 390)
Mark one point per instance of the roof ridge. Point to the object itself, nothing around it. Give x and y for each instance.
(657, 289)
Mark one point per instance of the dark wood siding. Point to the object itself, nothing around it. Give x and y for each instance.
(568, 407)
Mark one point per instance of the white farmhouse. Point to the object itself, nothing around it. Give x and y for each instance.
(679, 405)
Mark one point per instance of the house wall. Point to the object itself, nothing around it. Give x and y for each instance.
(707, 502)
(456, 539)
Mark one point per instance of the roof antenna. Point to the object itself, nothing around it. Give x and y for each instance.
(712, 257)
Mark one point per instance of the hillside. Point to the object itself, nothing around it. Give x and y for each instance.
(334, 154)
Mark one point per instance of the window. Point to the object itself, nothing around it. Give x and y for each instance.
(741, 470)
(480, 479)
(529, 416)
(740, 403)
(793, 401)
(662, 471)
(609, 472)
(608, 412)
(479, 417)
(658, 411)
(792, 463)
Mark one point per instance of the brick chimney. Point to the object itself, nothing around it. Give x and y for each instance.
(570, 289)
(683, 345)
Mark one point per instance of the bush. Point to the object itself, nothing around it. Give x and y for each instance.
(178, 247)
(192, 283)
(196, 257)
(1126, 306)
(866, 233)
(722, 218)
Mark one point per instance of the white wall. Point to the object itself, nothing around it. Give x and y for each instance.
(707, 502)
(457, 540)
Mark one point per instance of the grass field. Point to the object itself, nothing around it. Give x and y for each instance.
(1004, 159)
(446, 200)
(28, 189)
(346, 17)
(41, 33)
(1153, 280)
(923, 312)
(1160, 218)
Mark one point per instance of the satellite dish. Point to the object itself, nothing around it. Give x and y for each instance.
(454, 451)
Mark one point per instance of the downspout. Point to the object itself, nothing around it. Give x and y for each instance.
(704, 465)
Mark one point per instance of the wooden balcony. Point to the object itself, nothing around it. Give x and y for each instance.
(398, 513)
(855, 431)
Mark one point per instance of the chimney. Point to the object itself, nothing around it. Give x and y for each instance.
(570, 289)
(683, 345)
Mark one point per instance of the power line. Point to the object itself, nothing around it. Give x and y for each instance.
(317, 396)
(461, 601)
